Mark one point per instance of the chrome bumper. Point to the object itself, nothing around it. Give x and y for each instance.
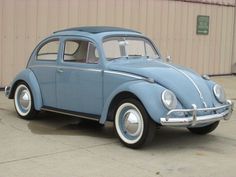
(197, 120)
(7, 90)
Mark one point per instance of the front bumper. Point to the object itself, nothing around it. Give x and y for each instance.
(195, 120)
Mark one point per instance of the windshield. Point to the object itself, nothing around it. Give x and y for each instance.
(129, 47)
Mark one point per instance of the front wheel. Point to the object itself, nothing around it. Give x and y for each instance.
(204, 130)
(23, 102)
(132, 123)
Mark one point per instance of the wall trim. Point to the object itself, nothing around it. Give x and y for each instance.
(215, 75)
(209, 3)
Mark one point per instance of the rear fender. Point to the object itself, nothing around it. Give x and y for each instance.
(29, 78)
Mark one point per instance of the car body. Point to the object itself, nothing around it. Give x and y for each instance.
(116, 74)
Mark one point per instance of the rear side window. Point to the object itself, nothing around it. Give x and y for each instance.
(71, 47)
(49, 51)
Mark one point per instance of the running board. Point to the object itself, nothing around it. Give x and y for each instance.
(72, 113)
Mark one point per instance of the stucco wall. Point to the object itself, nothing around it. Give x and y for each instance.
(171, 24)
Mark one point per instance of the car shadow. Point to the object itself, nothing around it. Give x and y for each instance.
(48, 123)
(166, 138)
(169, 138)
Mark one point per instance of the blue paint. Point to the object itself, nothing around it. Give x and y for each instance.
(90, 88)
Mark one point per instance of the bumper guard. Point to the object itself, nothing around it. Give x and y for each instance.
(197, 120)
(7, 91)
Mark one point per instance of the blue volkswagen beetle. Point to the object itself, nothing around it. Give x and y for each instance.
(116, 74)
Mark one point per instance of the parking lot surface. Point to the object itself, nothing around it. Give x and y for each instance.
(60, 146)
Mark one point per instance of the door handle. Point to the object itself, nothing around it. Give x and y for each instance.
(60, 70)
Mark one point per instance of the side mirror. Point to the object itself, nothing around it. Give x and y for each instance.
(169, 59)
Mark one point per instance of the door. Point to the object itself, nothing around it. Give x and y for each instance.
(44, 69)
(79, 78)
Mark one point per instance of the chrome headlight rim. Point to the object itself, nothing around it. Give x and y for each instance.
(219, 93)
(173, 103)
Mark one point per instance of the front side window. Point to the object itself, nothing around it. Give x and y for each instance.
(49, 51)
(80, 51)
(130, 47)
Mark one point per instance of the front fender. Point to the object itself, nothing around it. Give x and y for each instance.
(28, 76)
(148, 93)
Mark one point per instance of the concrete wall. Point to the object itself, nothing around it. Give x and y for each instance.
(171, 24)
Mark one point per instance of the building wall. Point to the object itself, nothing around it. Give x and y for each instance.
(234, 45)
(171, 24)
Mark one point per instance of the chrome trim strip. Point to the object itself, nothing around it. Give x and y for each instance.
(194, 119)
(130, 75)
(124, 74)
(195, 85)
(67, 67)
(48, 66)
(69, 114)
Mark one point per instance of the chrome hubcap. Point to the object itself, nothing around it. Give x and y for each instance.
(129, 123)
(132, 123)
(22, 100)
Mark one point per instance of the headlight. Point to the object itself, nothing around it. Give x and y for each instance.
(219, 93)
(169, 99)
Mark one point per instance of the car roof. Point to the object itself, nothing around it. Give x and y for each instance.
(97, 29)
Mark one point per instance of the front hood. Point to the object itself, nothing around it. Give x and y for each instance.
(188, 86)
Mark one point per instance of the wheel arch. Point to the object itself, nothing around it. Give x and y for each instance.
(119, 97)
(28, 77)
(149, 95)
(13, 88)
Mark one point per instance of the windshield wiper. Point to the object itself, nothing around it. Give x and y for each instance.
(135, 55)
(155, 57)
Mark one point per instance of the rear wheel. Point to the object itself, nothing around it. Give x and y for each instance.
(132, 123)
(204, 130)
(23, 102)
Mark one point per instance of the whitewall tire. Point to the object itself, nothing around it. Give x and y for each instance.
(132, 123)
(23, 101)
